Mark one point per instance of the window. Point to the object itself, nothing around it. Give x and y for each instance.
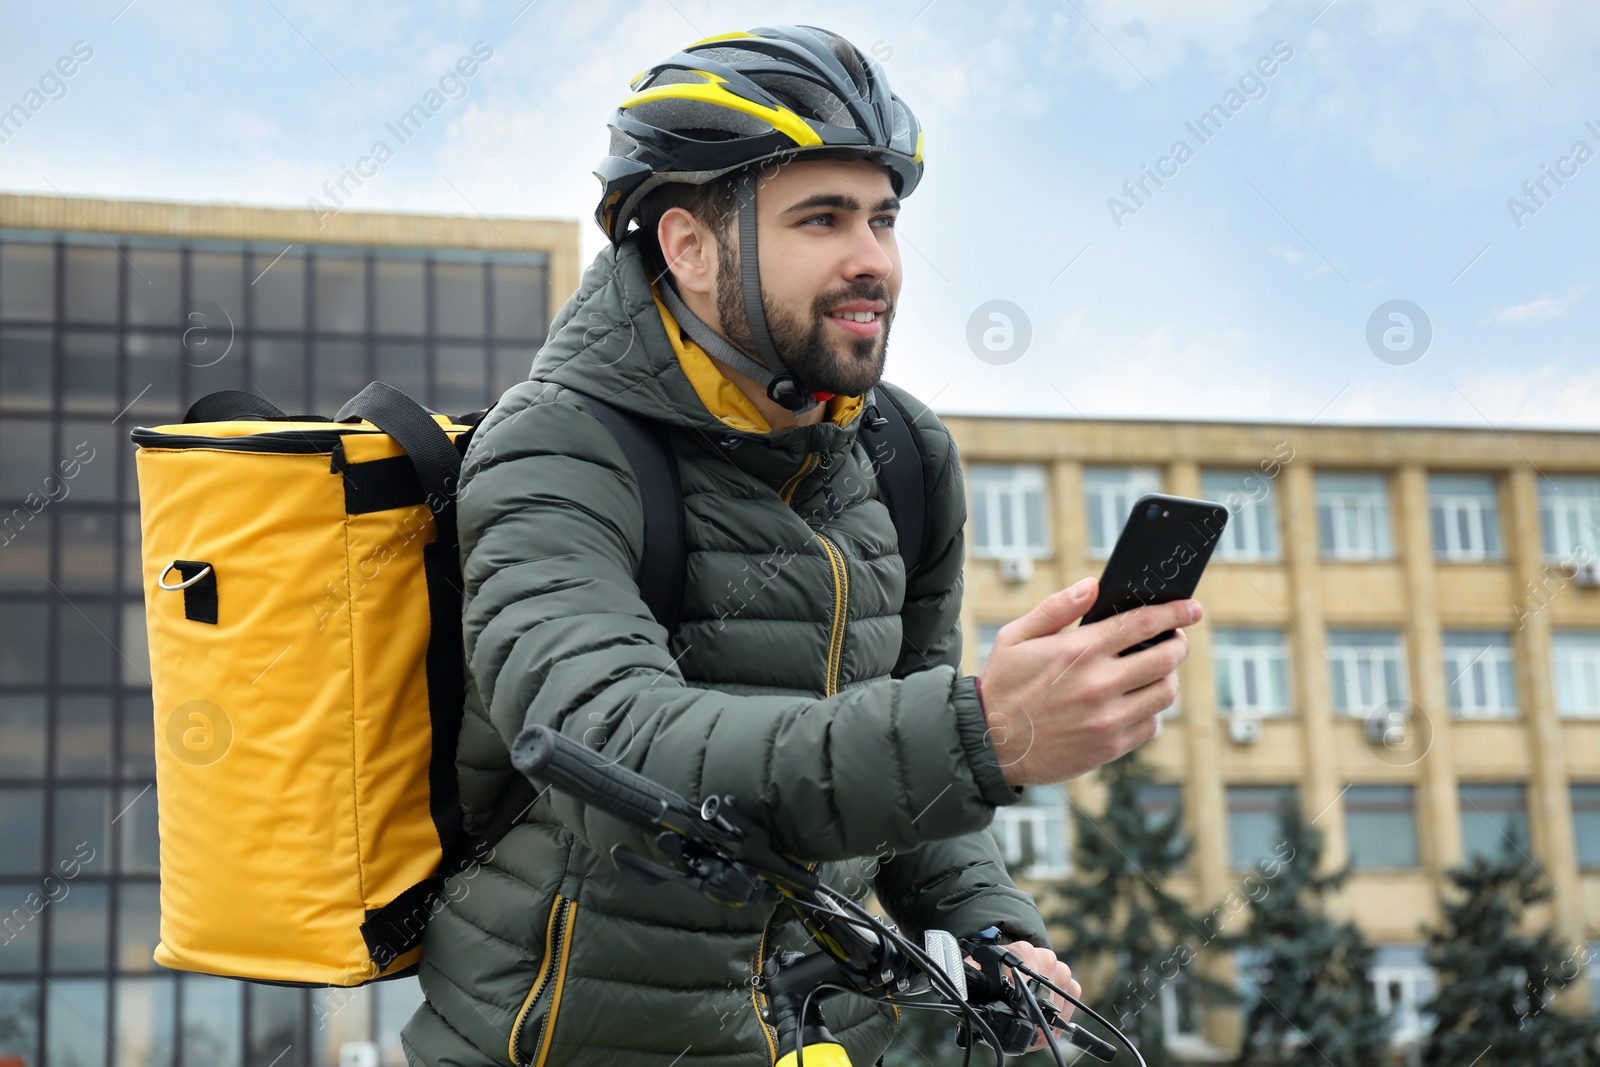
(1478, 675)
(1577, 668)
(1033, 833)
(1109, 493)
(1586, 824)
(1381, 823)
(1368, 670)
(987, 632)
(1569, 515)
(1594, 977)
(1252, 668)
(1493, 819)
(1252, 530)
(1465, 515)
(1181, 1011)
(1402, 982)
(1008, 504)
(1254, 829)
(1353, 516)
(1161, 803)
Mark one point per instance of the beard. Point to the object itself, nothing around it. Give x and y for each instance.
(847, 368)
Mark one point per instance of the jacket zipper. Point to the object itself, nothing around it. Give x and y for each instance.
(758, 999)
(841, 604)
(557, 943)
(786, 490)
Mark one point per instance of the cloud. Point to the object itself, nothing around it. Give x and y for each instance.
(1538, 309)
(1288, 253)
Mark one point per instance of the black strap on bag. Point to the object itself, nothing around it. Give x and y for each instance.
(664, 560)
(430, 449)
(396, 928)
(226, 405)
(903, 476)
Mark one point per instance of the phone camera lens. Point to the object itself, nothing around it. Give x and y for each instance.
(1152, 511)
(1164, 514)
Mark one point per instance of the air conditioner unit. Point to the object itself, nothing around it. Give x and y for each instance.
(1016, 569)
(1244, 729)
(358, 1054)
(1587, 573)
(1389, 728)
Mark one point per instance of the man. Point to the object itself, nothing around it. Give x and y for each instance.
(809, 675)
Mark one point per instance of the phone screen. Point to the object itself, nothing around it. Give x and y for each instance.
(1159, 557)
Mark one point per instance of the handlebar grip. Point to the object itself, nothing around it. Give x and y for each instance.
(581, 772)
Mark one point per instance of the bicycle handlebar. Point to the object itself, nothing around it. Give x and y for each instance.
(582, 772)
(741, 849)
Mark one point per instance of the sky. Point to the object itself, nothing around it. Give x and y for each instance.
(1391, 214)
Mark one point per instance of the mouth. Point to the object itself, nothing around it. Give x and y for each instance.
(858, 324)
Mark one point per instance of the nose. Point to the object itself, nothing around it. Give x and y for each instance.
(870, 256)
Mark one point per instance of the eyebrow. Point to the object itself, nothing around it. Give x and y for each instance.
(843, 203)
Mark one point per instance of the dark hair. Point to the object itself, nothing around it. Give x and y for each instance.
(715, 202)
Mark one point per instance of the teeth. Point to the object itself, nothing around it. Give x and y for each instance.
(856, 316)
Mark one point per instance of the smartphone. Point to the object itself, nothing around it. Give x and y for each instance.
(1158, 558)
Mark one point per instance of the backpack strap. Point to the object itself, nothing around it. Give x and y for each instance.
(430, 449)
(661, 568)
(903, 474)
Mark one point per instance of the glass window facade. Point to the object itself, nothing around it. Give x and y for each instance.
(98, 335)
(1033, 834)
(1494, 820)
(1586, 824)
(1254, 826)
(1008, 511)
(1367, 669)
(1353, 516)
(1108, 496)
(1464, 513)
(1252, 531)
(1252, 671)
(1479, 674)
(1381, 824)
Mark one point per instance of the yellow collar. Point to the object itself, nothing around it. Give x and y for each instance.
(720, 395)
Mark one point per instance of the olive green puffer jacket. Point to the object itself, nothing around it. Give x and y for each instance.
(808, 678)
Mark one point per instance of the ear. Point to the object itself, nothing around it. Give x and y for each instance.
(690, 251)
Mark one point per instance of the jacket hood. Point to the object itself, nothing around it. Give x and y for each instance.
(611, 340)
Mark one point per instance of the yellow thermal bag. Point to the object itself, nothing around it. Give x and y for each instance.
(302, 595)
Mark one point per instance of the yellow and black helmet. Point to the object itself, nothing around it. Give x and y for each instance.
(719, 105)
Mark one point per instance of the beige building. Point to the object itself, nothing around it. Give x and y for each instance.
(1402, 629)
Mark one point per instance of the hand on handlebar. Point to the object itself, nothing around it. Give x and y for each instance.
(1048, 964)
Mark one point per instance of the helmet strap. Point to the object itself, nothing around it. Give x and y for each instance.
(782, 387)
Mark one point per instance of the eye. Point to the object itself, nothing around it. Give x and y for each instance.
(890, 219)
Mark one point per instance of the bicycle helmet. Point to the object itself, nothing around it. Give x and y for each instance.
(719, 106)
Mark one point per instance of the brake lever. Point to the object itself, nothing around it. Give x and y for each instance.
(994, 989)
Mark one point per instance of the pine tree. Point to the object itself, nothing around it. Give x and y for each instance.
(1496, 985)
(1119, 917)
(1315, 1003)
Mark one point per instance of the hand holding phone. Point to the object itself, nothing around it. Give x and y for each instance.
(1060, 700)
